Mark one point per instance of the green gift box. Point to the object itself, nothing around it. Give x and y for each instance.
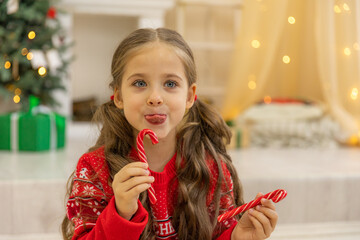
(32, 131)
(5, 132)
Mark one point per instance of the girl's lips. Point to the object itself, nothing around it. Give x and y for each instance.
(155, 118)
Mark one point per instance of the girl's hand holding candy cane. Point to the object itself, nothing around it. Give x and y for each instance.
(275, 196)
(128, 183)
(259, 222)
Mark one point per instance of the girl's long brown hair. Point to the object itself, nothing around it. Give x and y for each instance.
(202, 133)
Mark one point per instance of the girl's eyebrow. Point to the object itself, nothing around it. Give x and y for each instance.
(143, 75)
(137, 75)
(172, 75)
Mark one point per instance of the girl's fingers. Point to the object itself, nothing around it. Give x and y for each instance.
(265, 226)
(135, 191)
(129, 177)
(132, 170)
(130, 173)
(127, 185)
(257, 224)
(268, 208)
(135, 181)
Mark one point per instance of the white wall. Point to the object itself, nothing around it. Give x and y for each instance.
(96, 38)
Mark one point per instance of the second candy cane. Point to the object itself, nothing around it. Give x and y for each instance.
(275, 196)
(142, 156)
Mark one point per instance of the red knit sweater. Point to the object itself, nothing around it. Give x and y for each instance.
(91, 205)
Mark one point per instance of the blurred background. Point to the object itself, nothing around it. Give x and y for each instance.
(284, 74)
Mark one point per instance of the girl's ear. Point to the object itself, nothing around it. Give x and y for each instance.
(191, 96)
(117, 99)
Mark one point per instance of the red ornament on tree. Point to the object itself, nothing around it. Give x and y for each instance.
(51, 13)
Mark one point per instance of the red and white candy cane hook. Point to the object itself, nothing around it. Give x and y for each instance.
(275, 196)
(142, 156)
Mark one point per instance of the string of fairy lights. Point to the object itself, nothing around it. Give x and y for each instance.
(29, 56)
(339, 8)
(347, 51)
(286, 59)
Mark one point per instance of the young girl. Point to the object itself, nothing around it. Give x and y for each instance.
(193, 177)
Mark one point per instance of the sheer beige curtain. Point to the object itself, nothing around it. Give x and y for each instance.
(305, 49)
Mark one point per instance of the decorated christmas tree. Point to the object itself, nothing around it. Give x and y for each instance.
(32, 51)
(32, 67)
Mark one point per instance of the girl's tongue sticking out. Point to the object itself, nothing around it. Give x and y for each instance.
(155, 118)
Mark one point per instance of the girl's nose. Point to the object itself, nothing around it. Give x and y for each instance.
(154, 100)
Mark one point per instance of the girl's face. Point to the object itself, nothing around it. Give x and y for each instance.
(154, 91)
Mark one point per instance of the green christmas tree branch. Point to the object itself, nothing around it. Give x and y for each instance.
(31, 28)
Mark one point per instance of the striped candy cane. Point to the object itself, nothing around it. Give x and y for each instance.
(275, 196)
(142, 156)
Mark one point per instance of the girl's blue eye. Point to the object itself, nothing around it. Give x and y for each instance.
(170, 84)
(139, 83)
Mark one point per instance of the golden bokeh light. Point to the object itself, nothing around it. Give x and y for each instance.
(10, 87)
(31, 35)
(347, 51)
(267, 99)
(252, 85)
(16, 99)
(337, 9)
(346, 7)
(354, 93)
(29, 56)
(42, 71)
(353, 140)
(24, 51)
(286, 59)
(7, 65)
(291, 20)
(255, 43)
(17, 91)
